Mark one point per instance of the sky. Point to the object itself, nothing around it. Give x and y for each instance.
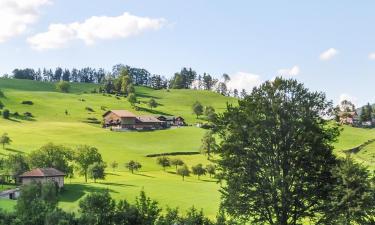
(328, 45)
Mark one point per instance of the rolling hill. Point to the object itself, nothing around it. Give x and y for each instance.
(51, 124)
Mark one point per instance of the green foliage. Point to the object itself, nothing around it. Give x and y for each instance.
(1, 105)
(85, 156)
(63, 86)
(353, 198)
(197, 108)
(114, 165)
(211, 169)
(276, 154)
(148, 209)
(366, 113)
(164, 162)
(51, 155)
(2, 94)
(209, 112)
(16, 164)
(6, 114)
(208, 144)
(133, 166)
(177, 162)
(132, 98)
(183, 171)
(198, 170)
(152, 103)
(97, 209)
(5, 140)
(97, 171)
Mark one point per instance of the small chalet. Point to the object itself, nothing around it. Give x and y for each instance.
(42, 175)
(172, 120)
(349, 118)
(123, 119)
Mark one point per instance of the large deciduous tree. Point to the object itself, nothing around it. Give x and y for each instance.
(276, 154)
(86, 156)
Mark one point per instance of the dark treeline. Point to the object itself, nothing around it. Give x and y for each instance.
(187, 78)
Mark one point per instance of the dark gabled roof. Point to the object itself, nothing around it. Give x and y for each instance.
(43, 172)
(148, 119)
(121, 113)
(169, 117)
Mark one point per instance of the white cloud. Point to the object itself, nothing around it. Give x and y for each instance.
(329, 54)
(93, 29)
(242, 80)
(17, 15)
(371, 56)
(290, 72)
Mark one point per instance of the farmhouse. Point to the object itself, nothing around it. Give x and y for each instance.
(172, 120)
(123, 119)
(42, 175)
(349, 118)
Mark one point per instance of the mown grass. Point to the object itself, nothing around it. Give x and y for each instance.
(51, 124)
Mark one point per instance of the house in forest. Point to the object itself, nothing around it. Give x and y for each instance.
(348, 118)
(123, 119)
(42, 175)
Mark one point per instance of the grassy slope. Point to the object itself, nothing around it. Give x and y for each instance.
(52, 125)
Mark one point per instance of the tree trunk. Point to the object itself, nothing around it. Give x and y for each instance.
(85, 177)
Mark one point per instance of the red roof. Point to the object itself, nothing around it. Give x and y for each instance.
(121, 113)
(43, 172)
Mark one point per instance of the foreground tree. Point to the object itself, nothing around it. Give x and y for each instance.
(16, 164)
(5, 140)
(97, 208)
(86, 156)
(164, 162)
(276, 154)
(353, 199)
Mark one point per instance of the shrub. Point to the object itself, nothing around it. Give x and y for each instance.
(1, 105)
(89, 109)
(6, 114)
(104, 108)
(2, 94)
(27, 102)
(28, 114)
(63, 86)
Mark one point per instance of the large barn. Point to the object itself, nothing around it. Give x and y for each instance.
(123, 119)
(42, 175)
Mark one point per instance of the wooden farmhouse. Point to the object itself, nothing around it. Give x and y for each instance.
(42, 175)
(123, 119)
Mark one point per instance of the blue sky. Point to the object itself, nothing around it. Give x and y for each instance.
(251, 40)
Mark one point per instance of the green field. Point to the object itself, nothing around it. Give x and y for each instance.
(50, 124)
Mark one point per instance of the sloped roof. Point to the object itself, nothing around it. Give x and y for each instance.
(43, 172)
(148, 119)
(121, 113)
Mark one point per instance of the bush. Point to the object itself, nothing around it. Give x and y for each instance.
(104, 108)
(27, 102)
(6, 114)
(2, 94)
(1, 105)
(16, 114)
(63, 86)
(89, 109)
(27, 114)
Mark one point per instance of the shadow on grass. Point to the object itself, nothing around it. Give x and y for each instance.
(171, 172)
(113, 174)
(117, 184)
(14, 150)
(73, 192)
(143, 95)
(143, 175)
(153, 111)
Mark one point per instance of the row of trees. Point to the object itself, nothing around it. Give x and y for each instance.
(187, 78)
(183, 170)
(37, 205)
(86, 160)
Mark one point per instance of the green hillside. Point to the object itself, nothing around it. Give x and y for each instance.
(51, 124)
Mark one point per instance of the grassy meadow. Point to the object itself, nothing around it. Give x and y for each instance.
(51, 124)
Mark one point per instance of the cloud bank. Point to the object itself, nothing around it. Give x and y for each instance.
(289, 72)
(243, 80)
(16, 15)
(94, 29)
